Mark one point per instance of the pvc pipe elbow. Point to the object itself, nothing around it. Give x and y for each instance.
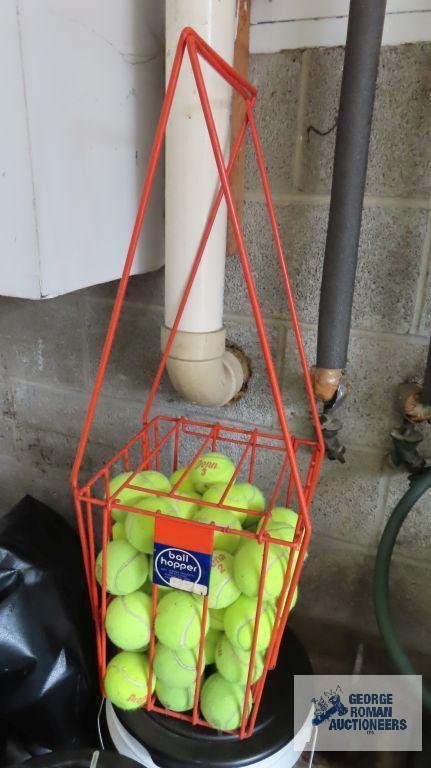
(201, 369)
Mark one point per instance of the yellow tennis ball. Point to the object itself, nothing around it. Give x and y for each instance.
(148, 590)
(174, 698)
(178, 620)
(140, 528)
(226, 542)
(186, 484)
(248, 568)
(211, 468)
(234, 498)
(177, 667)
(281, 524)
(222, 703)
(126, 680)
(217, 618)
(233, 663)
(118, 531)
(128, 496)
(128, 621)
(223, 591)
(126, 568)
(285, 515)
(239, 623)
(254, 496)
(186, 509)
(272, 608)
(211, 641)
(153, 480)
(255, 500)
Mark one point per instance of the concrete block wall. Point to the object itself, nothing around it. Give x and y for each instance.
(48, 350)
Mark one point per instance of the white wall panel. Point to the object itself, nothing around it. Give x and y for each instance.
(93, 77)
(18, 235)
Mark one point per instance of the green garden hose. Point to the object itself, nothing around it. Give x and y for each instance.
(418, 486)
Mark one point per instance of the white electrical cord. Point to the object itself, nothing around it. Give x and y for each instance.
(98, 726)
(313, 746)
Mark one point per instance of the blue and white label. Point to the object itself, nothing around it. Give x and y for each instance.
(181, 569)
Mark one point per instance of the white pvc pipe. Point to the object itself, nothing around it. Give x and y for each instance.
(199, 366)
(191, 174)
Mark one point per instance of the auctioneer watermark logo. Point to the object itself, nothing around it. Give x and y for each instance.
(327, 706)
(361, 712)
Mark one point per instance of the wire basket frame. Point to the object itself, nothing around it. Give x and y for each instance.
(164, 442)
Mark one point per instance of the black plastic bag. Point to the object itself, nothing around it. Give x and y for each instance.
(48, 678)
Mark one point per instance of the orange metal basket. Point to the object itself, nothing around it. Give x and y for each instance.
(165, 443)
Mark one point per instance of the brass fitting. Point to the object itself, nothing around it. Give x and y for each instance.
(325, 382)
(411, 406)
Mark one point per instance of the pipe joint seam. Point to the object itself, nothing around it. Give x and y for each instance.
(201, 369)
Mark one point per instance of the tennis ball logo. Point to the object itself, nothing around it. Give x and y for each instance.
(211, 468)
(223, 590)
(138, 700)
(219, 563)
(204, 466)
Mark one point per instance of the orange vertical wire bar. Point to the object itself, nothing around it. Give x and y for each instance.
(311, 479)
(152, 645)
(238, 468)
(84, 547)
(176, 451)
(92, 558)
(275, 636)
(247, 692)
(156, 443)
(106, 514)
(126, 462)
(266, 517)
(290, 483)
(252, 461)
(195, 715)
(289, 588)
(292, 586)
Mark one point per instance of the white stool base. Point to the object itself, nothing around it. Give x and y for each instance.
(128, 746)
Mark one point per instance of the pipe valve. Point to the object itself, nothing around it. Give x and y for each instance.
(331, 386)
